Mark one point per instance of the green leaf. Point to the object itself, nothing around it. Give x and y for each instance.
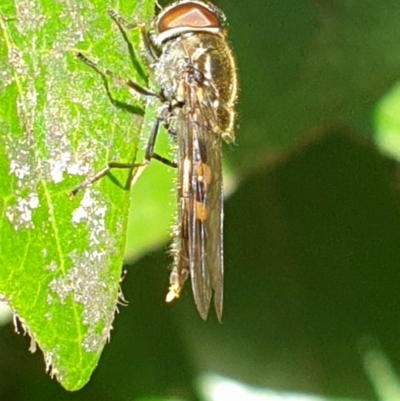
(387, 122)
(61, 258)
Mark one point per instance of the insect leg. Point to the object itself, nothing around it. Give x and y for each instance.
(122, 25)
(150, 154)
(120, 21)
(160, 158)
(100, 174)
(138, 169)
(149, 54)
(104, 74)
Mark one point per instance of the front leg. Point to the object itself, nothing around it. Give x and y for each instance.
(150, 57)
(107, 73)
(135, 169)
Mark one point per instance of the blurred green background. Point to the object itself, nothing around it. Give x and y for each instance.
(312, 232)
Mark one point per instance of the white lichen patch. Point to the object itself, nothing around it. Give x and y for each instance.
(49, 299)
(93, 213)
(84, 280)
(30, 17)
(23, 165)
(6, 78)
(81, 15)
(17, 62)
(52, 266)
(20, 213)
(93, 342)
(21, 150)
(61, 158)
(25, 64)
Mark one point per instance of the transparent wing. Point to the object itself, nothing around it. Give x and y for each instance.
(200, 200)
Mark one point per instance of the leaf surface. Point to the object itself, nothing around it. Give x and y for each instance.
(61, 258)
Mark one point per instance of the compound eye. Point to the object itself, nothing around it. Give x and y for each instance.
(189, 15)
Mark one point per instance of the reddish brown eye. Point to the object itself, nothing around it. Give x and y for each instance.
(188, 15)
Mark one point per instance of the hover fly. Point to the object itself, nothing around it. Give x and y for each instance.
(192, 64)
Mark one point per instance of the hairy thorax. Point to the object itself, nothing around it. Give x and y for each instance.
(200, 65)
